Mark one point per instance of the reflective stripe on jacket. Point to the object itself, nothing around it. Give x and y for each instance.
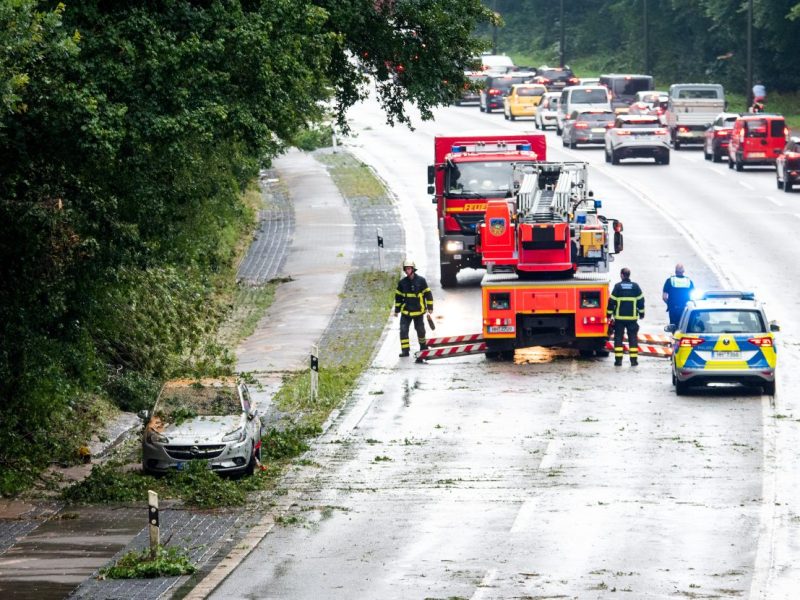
(413, 296)
(626, 302)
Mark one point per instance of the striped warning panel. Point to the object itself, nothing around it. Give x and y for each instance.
(460, 350)
(646, 349)
(455, 339)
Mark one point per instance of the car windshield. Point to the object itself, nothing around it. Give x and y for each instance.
(588, 96)
(639, 124)
(725, 321)
(555, 74)
(198, 400)
(529, 91)
(480, 178)
(628, 86)
(596, 117)
(506, 83)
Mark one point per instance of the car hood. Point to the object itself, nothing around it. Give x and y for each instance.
(201, 429)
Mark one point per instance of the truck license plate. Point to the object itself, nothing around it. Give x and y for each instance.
(757, 154)
(727, 355)
(501, 329)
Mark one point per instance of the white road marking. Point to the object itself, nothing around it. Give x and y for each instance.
(485, 584)
(747, 186)
(717, 171)
(775, 201)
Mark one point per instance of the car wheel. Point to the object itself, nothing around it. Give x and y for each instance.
(251, 465)
(512, 117)
(608, 156)
(505, 116)
(706, 153)
(488, 108)
(787, 186)
(674, 379)
(739, 165)
(676, 144)
(717, 156)
(769, 388)
(614, 158)
(559, 131)
(681, 388)
(573, 144)
(665, 159)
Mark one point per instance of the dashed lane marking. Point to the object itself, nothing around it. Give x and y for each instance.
(746, 186)
(775, 201)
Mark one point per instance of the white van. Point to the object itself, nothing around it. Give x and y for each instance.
(580, 98)
(499, 63)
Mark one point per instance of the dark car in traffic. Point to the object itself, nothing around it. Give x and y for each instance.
(787, 165)
(497, 87)
(587, 128)
(472, 90)
(718, 136)
(555, 79)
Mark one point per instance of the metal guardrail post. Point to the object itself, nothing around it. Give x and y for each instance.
(314, 372)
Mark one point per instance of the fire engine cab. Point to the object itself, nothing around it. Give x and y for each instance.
(547, 252)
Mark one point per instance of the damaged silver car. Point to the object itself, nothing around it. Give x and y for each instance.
(212, 420)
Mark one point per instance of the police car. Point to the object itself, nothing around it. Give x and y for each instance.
(724, 336)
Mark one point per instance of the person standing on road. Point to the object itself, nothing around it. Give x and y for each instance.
(412, 299)
(625, 308)
(676, 293)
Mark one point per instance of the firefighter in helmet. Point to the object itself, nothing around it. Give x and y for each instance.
(626, 307)
(412, 299)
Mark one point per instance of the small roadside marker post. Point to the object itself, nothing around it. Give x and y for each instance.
(380, 248)
(152, 517)
(314, 372)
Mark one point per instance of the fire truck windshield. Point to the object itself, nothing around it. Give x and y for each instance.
(480, 179)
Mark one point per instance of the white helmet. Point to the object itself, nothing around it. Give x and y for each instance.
(409, 263)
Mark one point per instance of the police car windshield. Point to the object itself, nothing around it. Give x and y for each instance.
(480, 179)
(725, 321)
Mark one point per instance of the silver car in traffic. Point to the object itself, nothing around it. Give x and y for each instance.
(211, 420)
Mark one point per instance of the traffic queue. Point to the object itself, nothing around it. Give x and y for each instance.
(631, 120)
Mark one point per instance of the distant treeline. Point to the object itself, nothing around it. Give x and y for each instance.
(689, 40)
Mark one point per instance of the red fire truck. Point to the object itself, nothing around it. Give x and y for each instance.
(547, 252)
(469, 171)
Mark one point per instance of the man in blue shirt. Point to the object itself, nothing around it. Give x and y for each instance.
(677, 292)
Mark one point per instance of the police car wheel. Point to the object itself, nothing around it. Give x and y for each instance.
(681, 388)
(769, 388)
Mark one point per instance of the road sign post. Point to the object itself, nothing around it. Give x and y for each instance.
(380, 248)
(314, 372)
(152, 517)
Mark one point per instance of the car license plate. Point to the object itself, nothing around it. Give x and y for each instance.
(727, 355)
(180, 466)
(757, 154)
(501, 329)
(598, 129)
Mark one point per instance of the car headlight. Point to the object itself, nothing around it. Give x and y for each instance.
(236, 435)
(156, 438)
(454, 246)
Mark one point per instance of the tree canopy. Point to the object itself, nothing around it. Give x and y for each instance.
(127, 135)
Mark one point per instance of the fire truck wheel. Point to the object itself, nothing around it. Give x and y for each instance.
(449, 276)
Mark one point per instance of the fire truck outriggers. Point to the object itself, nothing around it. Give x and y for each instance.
(547, 252)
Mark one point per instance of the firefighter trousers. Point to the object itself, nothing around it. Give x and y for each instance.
(419, 325)
(632, 328)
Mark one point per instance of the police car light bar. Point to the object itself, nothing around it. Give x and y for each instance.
(728, 294)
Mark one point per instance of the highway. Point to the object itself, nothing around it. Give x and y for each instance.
(555, 476)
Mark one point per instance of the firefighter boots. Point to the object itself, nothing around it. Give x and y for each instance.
(618, 361)
(403, 354)
(634, 361)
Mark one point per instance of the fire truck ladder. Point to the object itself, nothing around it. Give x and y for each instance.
(457, 345)
(542, 202)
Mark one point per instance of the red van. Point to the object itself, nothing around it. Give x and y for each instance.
(756, 139)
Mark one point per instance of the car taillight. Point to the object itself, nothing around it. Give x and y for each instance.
(581, 125)
(572, 81)
(494, 92)
(761, 342)
(544, 80)
(660, 132)
(683, 129)
(623, 132)
(722, 133)
(594, 320)
(659, 111)
(688, 342)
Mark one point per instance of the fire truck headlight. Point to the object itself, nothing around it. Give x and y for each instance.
(454, 246)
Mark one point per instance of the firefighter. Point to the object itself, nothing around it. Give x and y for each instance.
(676, 293)
(412, 299)
(625, 308)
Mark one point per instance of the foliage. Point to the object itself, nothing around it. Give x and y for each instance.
(314, 137)
(199, 486)
(109, 483)
(168, 562)
(289, 442)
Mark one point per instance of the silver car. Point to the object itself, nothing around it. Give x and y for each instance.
(207, 419)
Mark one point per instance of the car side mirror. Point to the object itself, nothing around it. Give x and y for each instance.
(773, 326)
(670, 328)
(144, 415)
(252, 414)
(618, 242)
(431, 174)
(430, 191)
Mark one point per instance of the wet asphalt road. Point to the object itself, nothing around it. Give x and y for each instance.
(558, 477)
